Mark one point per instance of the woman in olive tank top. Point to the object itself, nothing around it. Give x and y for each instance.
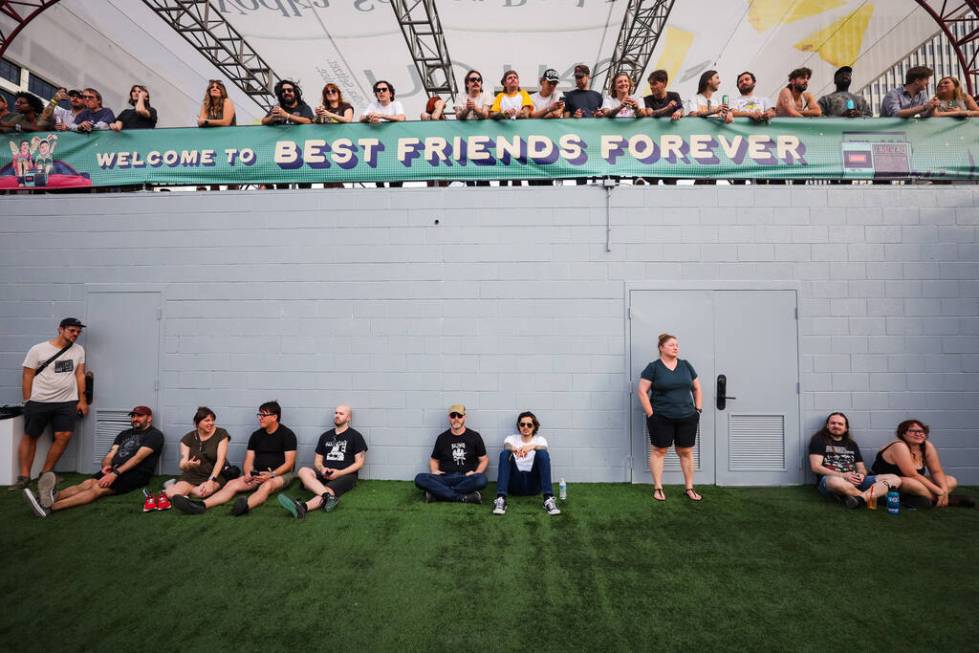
(203, 453)
(910, 457)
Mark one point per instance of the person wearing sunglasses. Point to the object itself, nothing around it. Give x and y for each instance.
(333, 109)
(473, 105)
(291, 110)
(268, 467)
(458, 463)
(525, 467)
(384, 108)
(924, 484)
(94, 117)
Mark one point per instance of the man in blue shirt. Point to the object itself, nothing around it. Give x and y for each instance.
(912, 99)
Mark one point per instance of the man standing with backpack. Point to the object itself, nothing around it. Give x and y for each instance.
(54, 393)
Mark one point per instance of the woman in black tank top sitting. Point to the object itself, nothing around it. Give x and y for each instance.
(911, 457)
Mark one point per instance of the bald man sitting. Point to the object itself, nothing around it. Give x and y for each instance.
(340, 453)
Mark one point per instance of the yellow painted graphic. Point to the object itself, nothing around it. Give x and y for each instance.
(840, 43)
(767, 14)
(676, 45)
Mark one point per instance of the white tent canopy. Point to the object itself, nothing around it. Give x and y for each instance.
(110, 44)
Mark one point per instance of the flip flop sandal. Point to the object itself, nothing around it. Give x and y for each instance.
(659, 491)
(692, 494)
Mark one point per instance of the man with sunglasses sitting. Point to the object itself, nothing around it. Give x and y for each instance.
(458, 463)
(525, 467)
(384, 107)
(291, 110)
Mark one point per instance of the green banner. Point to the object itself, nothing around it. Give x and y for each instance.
(821, 148)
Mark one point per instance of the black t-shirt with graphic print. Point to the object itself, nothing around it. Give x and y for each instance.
(338, 451)
(458, 453)
(130, 441)
(840, 456)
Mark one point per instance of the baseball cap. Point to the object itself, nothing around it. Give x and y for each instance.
(71, 322)
(843, 69)
(141, 410)
(551, 75)
(457, 408)
(73, 92)
(581, 70)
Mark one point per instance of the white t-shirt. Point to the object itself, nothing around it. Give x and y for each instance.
(526, 463)
(610, 103)
(541, 102)
(751, 103)
(700, 102)
(57, 382)
(393, 108)
(480, 102)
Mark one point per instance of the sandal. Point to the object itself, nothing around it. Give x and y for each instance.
(658, 494)
(692, 494)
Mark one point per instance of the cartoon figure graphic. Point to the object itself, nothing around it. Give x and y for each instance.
(23, 160)
(459, 453)
(338, 450)
(44, 159)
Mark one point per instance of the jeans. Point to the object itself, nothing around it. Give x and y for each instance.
(450, 487)
(510, 480)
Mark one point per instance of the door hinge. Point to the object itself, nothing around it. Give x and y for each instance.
(156, 385)
(798, 388)
(159, 313)
(629, 312)
(795, 311)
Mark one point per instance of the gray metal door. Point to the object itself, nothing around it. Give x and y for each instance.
(750, 337)
(122, 349)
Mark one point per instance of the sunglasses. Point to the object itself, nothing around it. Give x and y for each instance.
(474, 79)
(332, 91)
(526, 425)
(382, 89)
(456, 415)
(261, 415)
(88, 97)
(289, 90)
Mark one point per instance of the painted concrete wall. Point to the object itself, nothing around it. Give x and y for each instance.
(404, 301)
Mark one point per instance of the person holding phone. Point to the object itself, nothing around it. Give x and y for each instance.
(203, 453)
(269, 461)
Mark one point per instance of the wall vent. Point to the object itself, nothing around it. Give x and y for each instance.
(108, 423)
(756, 443)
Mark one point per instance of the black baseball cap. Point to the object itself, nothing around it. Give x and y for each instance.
(71, 322)
(843, 69)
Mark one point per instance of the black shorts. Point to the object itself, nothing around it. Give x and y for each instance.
(339, 485)
(664, 432)
(60, 415)
(127, 482)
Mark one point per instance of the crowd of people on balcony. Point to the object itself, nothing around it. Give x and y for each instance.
(82, 110)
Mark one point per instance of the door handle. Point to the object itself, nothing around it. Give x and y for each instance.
(721, 394)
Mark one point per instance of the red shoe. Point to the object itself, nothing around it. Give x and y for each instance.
(150, 504)
(163, 502)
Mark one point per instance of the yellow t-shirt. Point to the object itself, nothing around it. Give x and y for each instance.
(505, 101)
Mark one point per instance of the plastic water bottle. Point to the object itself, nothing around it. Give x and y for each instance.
(872, 502)
(563, 490)
(850, 106)
(893, 502)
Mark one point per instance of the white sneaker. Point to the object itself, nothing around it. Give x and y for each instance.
(550, 505)
(499, 506)
(35, 505)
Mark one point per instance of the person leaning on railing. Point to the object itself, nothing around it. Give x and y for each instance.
(952, 102)
(217, 109)
(473, 105)
(333, 109)
(140, 116)
(384, 107)
(621, 103)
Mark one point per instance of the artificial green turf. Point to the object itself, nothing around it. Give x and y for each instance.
(760, 569)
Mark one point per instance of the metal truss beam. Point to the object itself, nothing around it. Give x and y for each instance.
(422, 29)
(642, 25)
(203, 26)
(21, 12)
(958, 19)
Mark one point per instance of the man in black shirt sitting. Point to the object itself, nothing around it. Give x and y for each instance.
(130, 464)
(458, 463)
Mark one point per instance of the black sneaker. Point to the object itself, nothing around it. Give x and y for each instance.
(853, 502)
(429, 497)
(330, 502)
(35, 505)
(240, 506)
(185, 505)
(21, 483)
(295, 507)
(472, 497)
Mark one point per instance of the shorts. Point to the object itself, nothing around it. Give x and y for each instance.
(340, 485)
(664, 431)
(824, 490)
(127, 482)
(59, 414)
(287, 479)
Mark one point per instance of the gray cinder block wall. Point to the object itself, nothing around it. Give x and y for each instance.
(401, 302)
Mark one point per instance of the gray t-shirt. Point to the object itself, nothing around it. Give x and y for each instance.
(671, 393)
(834, 104)
(56, 383)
